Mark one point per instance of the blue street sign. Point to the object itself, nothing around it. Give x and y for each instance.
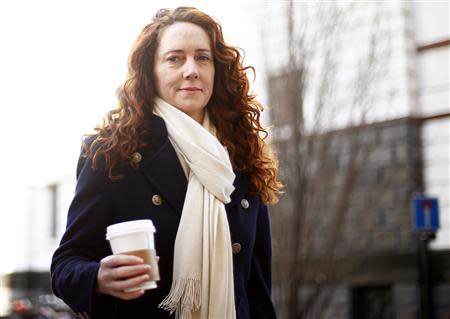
(426, 213)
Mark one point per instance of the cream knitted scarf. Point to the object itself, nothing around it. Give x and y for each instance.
(202, 284)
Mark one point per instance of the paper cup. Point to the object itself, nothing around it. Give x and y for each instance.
(136, 238)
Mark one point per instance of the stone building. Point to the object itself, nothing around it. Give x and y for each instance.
(358, 132)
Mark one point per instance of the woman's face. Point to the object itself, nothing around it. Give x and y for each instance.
(184, 68)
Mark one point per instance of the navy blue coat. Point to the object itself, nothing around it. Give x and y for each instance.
(99, 202)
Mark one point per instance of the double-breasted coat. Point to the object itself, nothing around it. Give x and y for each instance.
(155, 191)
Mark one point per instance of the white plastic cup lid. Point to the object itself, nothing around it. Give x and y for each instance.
(125, 228)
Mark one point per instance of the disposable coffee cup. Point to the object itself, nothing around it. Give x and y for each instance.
(136, 238)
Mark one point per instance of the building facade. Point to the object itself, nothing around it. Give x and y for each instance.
(360, 108)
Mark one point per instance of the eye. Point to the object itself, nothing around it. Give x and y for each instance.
(203, 58)
(173, 59)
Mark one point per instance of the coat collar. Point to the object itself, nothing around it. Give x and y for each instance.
(160, 164)
(240, 189)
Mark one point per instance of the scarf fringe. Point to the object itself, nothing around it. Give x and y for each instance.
(184, 298)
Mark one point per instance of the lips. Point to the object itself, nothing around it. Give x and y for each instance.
(190, 89)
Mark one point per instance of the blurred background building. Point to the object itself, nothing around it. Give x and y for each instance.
(358, 96)
(360, 107)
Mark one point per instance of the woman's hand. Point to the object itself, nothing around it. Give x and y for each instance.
(120, 272)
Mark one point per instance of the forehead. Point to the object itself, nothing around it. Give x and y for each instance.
(183, 36)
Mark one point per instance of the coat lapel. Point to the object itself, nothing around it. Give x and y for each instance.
(161, 166)
(240, 187)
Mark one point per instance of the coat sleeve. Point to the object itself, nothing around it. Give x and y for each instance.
(75, 262)
(260, 282)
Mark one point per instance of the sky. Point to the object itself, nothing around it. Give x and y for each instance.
(60, 64)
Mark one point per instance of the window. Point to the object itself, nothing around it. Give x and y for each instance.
(373, 303)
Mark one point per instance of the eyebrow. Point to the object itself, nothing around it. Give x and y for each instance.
(181, 51)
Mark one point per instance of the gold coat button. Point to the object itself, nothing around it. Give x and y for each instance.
(136, 157)
(245, 204)
(236, 247)
(157, 200)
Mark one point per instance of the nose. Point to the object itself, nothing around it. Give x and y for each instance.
(190, 69)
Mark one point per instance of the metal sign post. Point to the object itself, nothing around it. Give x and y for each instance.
(426, 223)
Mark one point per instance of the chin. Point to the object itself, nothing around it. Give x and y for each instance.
(189, 107)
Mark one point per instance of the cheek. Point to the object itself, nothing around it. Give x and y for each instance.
(163, 78)
(168, 81)
(157, 81)
(163, 87)
(211, 79)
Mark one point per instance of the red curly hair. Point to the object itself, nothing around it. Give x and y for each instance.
(234, 112)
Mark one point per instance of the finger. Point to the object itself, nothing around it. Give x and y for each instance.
(129, 295)
(130, 271)
(121, 285)
(120, 259)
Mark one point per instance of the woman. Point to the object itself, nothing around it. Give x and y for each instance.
(183, 149)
